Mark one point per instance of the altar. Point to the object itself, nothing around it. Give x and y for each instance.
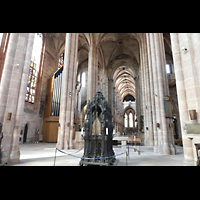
(123, 141)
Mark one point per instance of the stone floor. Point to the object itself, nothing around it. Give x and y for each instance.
(43, 154)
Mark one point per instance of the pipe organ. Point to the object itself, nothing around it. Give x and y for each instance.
(57, 85)
(52, 107)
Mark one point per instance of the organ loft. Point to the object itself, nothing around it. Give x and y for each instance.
(149, 81)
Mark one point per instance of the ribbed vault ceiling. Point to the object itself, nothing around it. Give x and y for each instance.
(124, 81)
(113, 48)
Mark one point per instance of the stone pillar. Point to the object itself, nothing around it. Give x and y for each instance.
(15, 72)
(138, 100)
(153, 110)
(155, 41)
(170, 133)
(185, 83)
(15, 154)
(7, 73)
(92, 69)
(161, 83)
(156, 90)
(110, 94)
(66, 119)
(149, 138)
(144, 95)
(72, 106)
(105, 84)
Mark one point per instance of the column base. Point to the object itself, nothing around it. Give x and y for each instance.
(166, 149)
(187, 162)
(4, 157)
(14, 157)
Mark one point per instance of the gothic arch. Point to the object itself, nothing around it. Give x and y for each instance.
(130, 113)
(129, 108)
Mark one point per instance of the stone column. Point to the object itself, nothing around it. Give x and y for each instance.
(7, 73)
(149, 140)
(113, 110)
(92, 69)
(105, 85)
(15, 75)
(144, 96)
(170, 133)
(139, 99)
(155, 133)
(156, 90)
(110, 95)
(184, 80)
(72, 106)
(165, 144)
(68, 91)
(15, 154)
(161, 83)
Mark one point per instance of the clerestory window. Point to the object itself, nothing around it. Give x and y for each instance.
(34, 68)
(168, 68)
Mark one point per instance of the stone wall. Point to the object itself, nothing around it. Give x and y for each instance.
(186, 55)
(31, 116)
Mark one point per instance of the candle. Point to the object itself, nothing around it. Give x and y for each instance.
(106, 131)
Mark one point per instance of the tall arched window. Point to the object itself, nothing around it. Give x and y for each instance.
(131, 120)
(61, 61)
(34, 68)
(83, 79)
(4, 39)
(168, 68)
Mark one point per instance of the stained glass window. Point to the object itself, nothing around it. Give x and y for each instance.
(32, 81)
(34, 69)
(61, 61)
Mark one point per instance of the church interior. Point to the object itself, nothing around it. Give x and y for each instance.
(151, 82)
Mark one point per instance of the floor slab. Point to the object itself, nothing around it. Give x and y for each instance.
(43, 154)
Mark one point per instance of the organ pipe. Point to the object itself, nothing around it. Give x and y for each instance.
(56, 96)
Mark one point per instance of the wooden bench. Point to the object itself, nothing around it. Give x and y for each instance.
(136, 141)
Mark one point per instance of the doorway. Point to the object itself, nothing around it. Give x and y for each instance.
(25, 133)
